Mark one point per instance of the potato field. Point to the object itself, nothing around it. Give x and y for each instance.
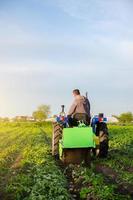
(29, 172)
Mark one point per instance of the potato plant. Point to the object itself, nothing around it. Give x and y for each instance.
(35, 175)
(29, 172)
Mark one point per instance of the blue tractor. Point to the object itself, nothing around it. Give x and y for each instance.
(75, 144)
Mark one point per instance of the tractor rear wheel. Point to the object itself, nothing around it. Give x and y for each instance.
(102, 132)
(103, 148)
(57, 134)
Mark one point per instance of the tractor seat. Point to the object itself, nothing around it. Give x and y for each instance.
(81, 117)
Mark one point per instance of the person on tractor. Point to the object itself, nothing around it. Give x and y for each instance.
(79, 110)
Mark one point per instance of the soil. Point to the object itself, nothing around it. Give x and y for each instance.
(122, 187)
(6, 177)
(16, 163)
(110, 176)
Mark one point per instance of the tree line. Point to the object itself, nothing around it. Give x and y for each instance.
(43, 112)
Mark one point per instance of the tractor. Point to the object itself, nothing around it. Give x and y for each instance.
(79, 143)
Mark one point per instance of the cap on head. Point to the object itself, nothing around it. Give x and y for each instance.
(76, 92)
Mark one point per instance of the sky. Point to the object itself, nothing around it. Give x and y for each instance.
(50, 47)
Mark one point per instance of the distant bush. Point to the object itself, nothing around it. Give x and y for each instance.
(125, 118)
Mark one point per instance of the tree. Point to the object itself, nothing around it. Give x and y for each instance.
(45, 109)
(125, 117)
(41, 113)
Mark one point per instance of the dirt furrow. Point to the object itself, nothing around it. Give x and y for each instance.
(122, 186)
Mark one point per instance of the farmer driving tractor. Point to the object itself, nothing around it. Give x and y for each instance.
(79, 110)
(73, 139)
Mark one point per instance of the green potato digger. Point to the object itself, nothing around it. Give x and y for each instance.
(78, 143)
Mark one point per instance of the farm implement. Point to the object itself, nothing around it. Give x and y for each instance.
(78, 143)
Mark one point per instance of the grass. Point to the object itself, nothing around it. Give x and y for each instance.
(29, 172)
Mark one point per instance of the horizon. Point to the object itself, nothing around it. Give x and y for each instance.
(48, 48)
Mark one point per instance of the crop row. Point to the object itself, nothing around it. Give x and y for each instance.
(110, 178)
(34, 175)
(29, 172)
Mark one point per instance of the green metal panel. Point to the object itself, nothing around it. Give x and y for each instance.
(78, 137)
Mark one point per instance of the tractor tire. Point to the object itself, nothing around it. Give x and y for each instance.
(102, 132)
(103, 152)
(103, 148)
(57, 135)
